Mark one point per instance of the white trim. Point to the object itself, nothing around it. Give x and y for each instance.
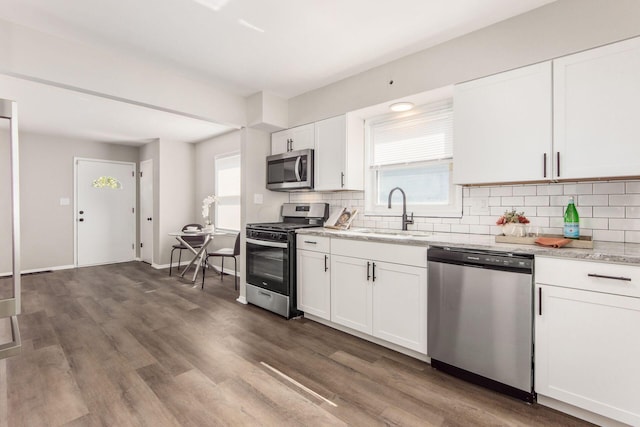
(75, 203)
(40, 270)
(578, 412)
(392, 346)
(451, 210)
(174, 265)
(242, 300)
(139, 207)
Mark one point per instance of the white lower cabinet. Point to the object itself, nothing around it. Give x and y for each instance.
(385, 300)
(351, 290)
(381, 292)
(314, 276)
(587, 343)
(400, 305)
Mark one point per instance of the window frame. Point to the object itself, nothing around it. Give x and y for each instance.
(217, 191)
(451, 210)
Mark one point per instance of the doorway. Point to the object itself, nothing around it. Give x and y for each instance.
(105, 211)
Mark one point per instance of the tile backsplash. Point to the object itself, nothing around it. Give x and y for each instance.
(609, 210)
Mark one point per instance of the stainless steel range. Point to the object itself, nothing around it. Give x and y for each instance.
(271, 257)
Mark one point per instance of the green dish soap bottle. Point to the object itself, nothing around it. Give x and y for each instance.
(571, 221)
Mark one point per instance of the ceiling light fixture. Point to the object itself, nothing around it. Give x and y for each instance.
(214, 5)
(401, 106)
(250, 26)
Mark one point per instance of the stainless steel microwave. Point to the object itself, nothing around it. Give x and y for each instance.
(291, 171)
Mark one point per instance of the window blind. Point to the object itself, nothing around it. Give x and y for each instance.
(227, 208)
(425, 136)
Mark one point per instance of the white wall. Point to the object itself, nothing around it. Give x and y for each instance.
(177, 197)
(608, 211)
(205, 185)
(46, 175)
(32, 54)
(557, 29)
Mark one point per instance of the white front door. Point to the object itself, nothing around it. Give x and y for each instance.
(105, 212)
(146, 211)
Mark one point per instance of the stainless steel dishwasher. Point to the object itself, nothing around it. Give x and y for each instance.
(480, 317)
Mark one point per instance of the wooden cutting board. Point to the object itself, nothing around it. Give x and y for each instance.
(584, 242)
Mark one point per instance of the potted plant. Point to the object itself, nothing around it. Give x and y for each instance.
(513, 223)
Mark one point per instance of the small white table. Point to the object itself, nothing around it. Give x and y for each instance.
(199, 254)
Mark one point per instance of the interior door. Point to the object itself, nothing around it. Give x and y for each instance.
(146, 211)
(105, 212)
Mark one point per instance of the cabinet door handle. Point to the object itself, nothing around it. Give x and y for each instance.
(539, 301)
(600, 276)
(326, 258)
(368, 274)
(311, 242)
(558, 163)
(374, 271)
(544, 165)
(341, 179)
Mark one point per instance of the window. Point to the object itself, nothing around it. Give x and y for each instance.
(413, 152)
(227, 168)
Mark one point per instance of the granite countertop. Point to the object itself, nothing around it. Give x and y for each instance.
(628, 253)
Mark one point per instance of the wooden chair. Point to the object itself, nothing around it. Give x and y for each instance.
(225, 253)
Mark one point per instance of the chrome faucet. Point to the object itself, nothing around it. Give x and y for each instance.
(405, 219)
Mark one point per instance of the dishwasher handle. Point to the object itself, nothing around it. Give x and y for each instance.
(539, 301)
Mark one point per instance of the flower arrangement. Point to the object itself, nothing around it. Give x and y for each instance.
(512, 217)
(206, 204)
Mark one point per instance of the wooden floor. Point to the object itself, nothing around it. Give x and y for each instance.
(127, 345)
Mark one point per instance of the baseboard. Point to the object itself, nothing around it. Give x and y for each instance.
(383, 343)
(159, 266)
(184, 264)
(226, 271)
(175, 265)
(578, 412)
(242, 300)
(40, 270)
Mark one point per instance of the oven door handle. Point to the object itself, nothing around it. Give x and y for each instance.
(269, 244)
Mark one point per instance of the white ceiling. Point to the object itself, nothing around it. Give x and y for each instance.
(306, 44)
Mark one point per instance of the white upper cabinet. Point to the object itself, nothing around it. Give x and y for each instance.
(297, 138)
(339, 155)
(596, 114)
(577, 121)
(503, 128)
